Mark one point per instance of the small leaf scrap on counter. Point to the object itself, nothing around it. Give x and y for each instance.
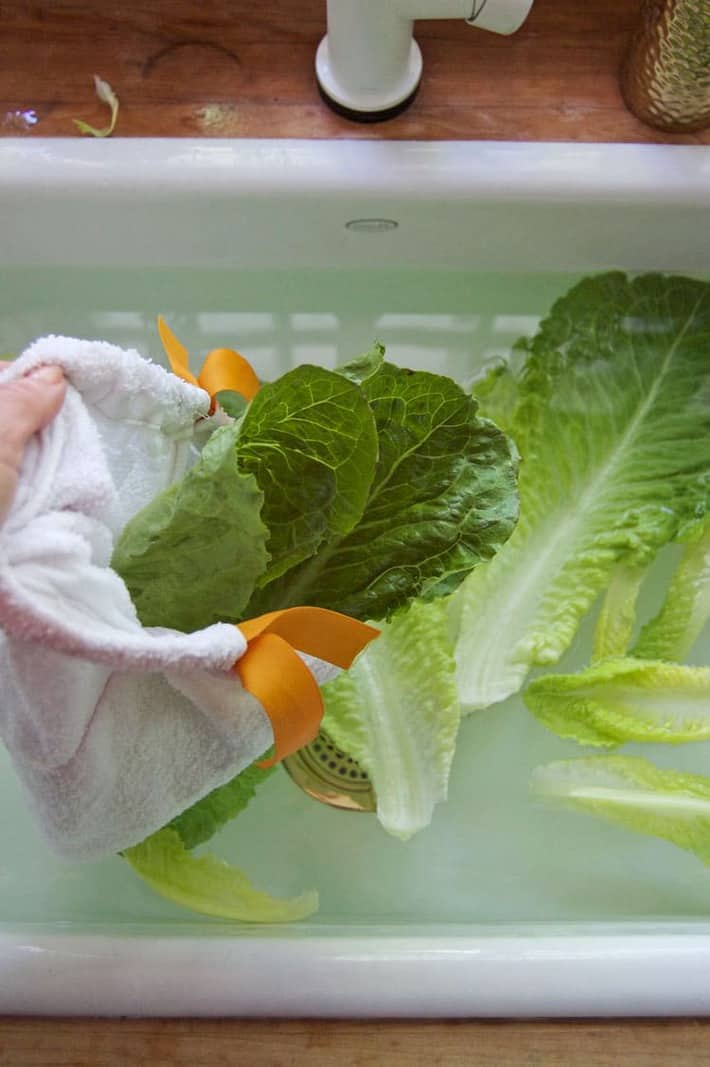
(107, 96)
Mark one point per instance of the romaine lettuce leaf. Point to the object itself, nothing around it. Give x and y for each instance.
(686, 609)
(364, 366)
(617, 615)
(233, 404)
(396, 711)
(497, 390)
(356, 495)
(310, 441)
(612, 419)
(443, 499)
(205, 883)
(198, 823)
(208, 885)
(627, 699)
(634, 794)
(193, 555)
(430, 490)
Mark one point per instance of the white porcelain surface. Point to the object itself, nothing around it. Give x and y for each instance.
(482, 205)
(496, 909)
(525, 973)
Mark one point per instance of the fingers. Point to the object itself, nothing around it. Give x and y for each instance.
(26, 406)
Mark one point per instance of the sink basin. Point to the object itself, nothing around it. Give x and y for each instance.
(298, 251)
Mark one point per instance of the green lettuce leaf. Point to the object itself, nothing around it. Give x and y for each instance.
(628, 699)
(208, 885)
(396, 712)
(200, 822)
(193, 555)
(497, 391)
(309, 440)
(362, 367)
(398, 472)
(617, 616)
(443, 499)
(205, 883)
(234, 404)
(107, 96)
(613, 425)
(686, 609)
(634, 794)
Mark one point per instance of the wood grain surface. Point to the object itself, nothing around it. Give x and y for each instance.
(236, 69)
(190, 1043)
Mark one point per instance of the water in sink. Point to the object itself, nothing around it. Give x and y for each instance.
(489, 855)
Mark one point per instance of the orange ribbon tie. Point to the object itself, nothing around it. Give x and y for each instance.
(275, 674)
(223, 368)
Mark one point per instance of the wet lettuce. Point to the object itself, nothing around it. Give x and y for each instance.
(609, 406)
(354, 491)
(310, 441)
(672, 634)
(441, 499)
(634, 794)
(208, 885)
(626, 699)
(396, 711)
(645, 695)
(611, 414)
(617, 616)
(200, 822)
(193, 555)
(357, 490)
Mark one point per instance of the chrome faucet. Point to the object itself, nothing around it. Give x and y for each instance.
(369, 66)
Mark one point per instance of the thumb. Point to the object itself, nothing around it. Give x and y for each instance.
(26, 406)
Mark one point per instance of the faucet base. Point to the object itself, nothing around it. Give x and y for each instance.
(367, 116)
(366, 105)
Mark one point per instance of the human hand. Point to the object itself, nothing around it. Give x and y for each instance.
(26, 406)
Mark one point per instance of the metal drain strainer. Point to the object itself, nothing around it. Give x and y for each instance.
(331, 776)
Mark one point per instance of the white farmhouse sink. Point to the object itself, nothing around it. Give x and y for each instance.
(500, 907)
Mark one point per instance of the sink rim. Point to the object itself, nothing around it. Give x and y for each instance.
(577, 969)
(536, 170)
(557, 974)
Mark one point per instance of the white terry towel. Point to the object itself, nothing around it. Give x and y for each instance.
(113, 728)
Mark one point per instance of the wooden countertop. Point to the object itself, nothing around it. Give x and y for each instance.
(271, 1043)
(239, 69)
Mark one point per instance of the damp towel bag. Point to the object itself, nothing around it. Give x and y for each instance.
(113, 728)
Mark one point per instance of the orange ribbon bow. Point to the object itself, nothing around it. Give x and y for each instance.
(274, 673)
(271, 668)
(222, 369)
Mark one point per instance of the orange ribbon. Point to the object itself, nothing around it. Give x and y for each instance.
(275, 674)
(223, 368)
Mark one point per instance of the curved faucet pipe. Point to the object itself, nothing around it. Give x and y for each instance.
(368, 64)
(500, 16)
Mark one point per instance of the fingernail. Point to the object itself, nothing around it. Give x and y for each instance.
(50, 375)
